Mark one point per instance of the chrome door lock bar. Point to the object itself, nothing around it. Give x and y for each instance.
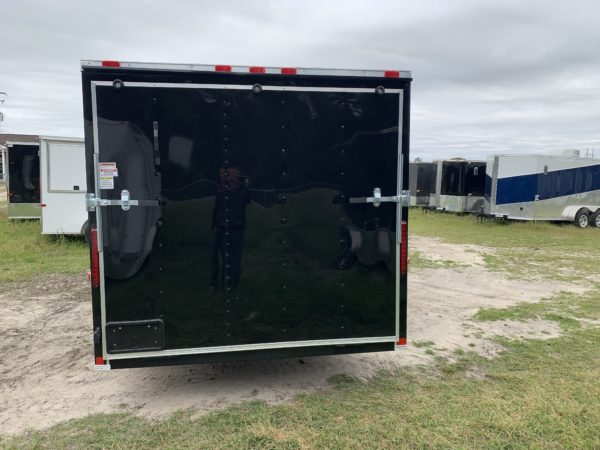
(403, 199)
(92, 202)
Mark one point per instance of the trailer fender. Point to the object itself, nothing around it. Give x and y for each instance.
(571, 211)
(85, 231)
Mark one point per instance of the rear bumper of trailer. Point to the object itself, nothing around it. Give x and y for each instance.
(24, 211)
(183, 358)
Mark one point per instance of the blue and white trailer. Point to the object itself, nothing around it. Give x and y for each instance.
(544, 187)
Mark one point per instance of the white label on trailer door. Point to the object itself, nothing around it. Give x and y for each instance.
(107, 182)
(107, 171)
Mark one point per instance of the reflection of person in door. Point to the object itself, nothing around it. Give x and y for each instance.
(229, 221)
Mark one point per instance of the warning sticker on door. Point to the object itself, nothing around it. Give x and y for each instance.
(107, 182)
(107, 171)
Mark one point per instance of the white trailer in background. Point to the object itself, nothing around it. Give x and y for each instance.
(3, 163)
(63, 185)
(544, 187)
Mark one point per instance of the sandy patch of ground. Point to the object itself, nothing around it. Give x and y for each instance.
(437, 250)
(46, 372)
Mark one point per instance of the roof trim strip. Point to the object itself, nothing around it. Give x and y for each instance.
(97, 64)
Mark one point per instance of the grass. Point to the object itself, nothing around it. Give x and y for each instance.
(566, 308)
(540, 394)
(25, 252)
(521, 249)
(535, 236)
(536, 394)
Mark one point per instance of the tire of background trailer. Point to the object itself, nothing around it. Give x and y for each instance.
(85, 231)
(582, 218)
(595, 218)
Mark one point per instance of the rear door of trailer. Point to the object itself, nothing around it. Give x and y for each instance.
(245, 215)
(23, 181)
(63, 184)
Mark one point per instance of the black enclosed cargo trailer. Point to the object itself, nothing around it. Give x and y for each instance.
(245, 212)
(422, 179)
(460, 186)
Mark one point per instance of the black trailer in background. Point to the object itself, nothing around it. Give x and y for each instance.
(23, 180)
(245, 213)
(460, 186)
(422, 182)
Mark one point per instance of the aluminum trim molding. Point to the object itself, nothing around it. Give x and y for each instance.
(251, 347)
(245, 87)
(311, 71)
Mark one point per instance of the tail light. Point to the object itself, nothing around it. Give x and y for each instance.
(404, 249)
(95, 259)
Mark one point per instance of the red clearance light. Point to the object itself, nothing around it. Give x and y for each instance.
(289, 71)
(404, 249)
(391, 74)
(99, 361)
(95, 258)
(43, 205)
(222, 68)
(257, 69)
(401, 341)
(111, 64)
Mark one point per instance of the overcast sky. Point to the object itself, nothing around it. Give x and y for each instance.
(489, 76)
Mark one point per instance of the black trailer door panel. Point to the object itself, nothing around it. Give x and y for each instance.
(245, 233)
(24, 173)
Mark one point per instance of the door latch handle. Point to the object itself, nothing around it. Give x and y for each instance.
(92, 202)
(125, 201)
(378, 199)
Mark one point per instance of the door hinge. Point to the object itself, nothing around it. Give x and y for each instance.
(92, 202)
(405, 198)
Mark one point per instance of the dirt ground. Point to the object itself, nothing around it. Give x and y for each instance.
(47, 376)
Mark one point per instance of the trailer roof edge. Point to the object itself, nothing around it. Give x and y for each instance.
(62, 138)
(252, 70)
(7, 143)
(542, 155)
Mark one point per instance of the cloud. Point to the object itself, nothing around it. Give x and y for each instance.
(489, 77)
